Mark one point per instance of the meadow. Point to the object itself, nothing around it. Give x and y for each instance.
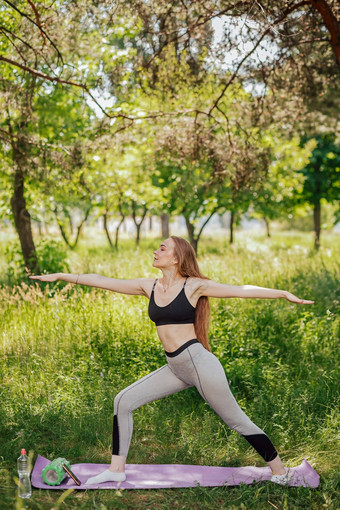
(67, 350)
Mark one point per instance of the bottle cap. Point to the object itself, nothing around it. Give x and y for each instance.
(23, 451)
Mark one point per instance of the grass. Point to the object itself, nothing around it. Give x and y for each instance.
(66, 351)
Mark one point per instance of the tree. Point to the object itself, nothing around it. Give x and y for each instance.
(322, 178)
(204, 165)
(43, 124)
(289, 48)
(15, 125)
(120, 177)
(276, 194)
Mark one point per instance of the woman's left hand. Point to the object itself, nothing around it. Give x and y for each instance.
(294, 299)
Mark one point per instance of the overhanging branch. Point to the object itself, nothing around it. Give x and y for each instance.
(288, 11)
(24, 15)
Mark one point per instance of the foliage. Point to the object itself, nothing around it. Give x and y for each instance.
(192, 114)
(302, 219)
(66, 355)
(322, 173)
(51, 254)
(275, 196)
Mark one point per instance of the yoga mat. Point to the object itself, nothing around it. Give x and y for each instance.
(166, 476)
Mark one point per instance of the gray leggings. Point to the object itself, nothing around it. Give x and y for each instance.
(190, 365)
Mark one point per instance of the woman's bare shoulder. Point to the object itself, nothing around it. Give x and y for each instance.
(147, 284)
(196, 284)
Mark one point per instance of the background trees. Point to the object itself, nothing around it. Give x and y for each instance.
(178, 117)
(321, 178)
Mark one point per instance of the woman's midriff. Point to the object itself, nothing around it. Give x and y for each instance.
(173, 336)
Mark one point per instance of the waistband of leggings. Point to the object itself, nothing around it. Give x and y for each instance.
(182, 347)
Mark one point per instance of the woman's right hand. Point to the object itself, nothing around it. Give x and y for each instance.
(46, 277)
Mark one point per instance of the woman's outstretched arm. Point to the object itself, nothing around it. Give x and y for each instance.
(220, 290)
(134, 286)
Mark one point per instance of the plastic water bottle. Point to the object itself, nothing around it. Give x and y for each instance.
(25, 490)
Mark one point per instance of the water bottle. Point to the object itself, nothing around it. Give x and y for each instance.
(24, 490)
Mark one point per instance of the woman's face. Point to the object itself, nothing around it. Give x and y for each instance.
(164, 257)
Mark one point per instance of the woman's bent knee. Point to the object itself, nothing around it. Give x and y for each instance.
(122, 404)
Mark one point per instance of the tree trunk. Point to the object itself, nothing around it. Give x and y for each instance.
(191, 233)
(191, 229)
(231, 226)
(22, 220)
(68, 214)
(138, 226)
(150, 224)
(107, 230)
(134, 216)
(122, 218)
(331, 22)
(165, 221)
(267, 225)
(117, 231)
(62, 231)
(317, 224)
(79, 229)
(39, 225)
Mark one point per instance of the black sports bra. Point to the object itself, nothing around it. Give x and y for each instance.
(179, 311)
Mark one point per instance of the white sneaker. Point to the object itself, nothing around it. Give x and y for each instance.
(283, 479)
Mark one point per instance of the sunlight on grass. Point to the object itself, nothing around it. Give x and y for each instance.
(67, 350)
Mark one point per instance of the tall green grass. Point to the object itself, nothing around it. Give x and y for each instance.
(67, 350)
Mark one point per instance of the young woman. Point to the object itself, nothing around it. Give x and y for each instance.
(179, 306)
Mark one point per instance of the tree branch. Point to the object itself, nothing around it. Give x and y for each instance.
(38, 20)
(24, 15)
(4, 29)
(331, 23)
(206, 221)
(190, 29)
(288, 11)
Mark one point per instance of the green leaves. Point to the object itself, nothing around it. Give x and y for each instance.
(322, 173)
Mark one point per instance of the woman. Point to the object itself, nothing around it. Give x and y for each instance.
(179, 306)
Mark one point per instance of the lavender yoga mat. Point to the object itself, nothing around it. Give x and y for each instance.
(166, 476)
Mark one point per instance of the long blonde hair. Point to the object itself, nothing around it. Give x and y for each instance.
(188, 266)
